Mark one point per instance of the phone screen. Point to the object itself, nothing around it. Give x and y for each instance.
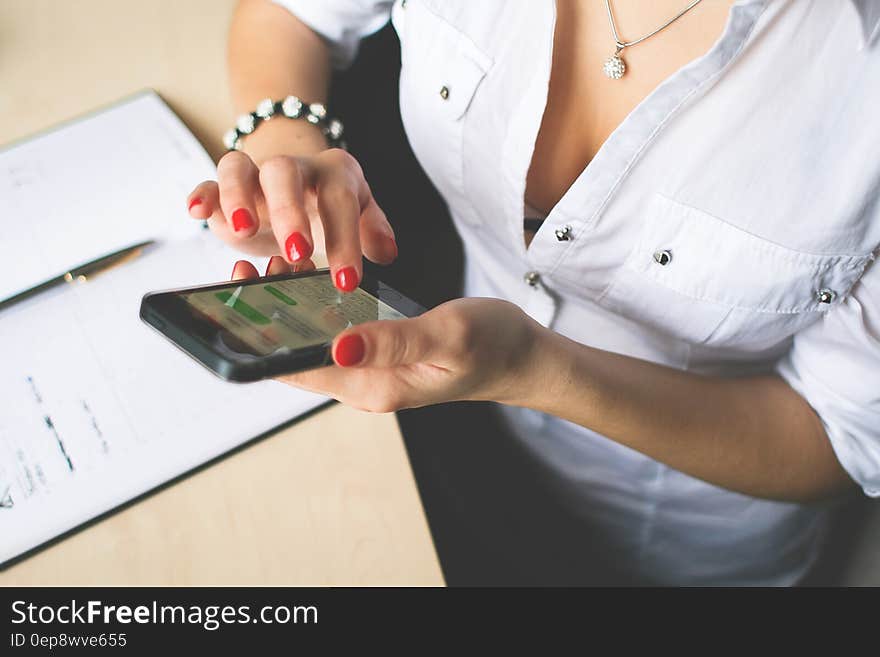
(292, 313)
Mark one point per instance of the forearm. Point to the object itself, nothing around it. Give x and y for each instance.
(272, 54)
(753, 435)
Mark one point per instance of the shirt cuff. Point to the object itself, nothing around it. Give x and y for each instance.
(341, 25)
(856, 450)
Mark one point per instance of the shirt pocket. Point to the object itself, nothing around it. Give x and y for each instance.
(441, 70)
(705, 281)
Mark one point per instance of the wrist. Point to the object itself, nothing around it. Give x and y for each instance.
(528, 366)
(555, 374)
(281, 136)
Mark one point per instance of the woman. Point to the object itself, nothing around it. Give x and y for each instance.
(686, 344)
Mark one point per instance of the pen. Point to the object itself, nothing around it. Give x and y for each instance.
(81, 273)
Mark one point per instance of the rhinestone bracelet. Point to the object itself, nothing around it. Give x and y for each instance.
(291, 107)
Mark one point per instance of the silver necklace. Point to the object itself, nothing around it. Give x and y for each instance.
(614, 67)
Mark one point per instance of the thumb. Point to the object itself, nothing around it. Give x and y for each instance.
(386, 343)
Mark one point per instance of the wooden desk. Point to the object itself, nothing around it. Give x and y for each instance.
(329, 501)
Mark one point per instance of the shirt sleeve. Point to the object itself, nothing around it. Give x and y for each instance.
(342, 23)
(835, 365)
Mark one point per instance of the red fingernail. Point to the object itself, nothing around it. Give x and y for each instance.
(350, 350)
(193, 203)
(347, 279)
(241, 219)
(297, 247)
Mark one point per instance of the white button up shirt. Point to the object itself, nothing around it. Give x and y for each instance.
(728, 226)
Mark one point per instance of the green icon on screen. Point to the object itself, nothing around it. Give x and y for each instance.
(278, 294)
(243, 309)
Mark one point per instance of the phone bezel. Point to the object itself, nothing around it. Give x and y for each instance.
(197, 335)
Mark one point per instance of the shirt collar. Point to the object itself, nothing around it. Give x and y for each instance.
(869, 17)
(869, 14)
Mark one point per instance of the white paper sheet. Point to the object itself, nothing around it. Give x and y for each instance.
(93, 186)
(96, 407)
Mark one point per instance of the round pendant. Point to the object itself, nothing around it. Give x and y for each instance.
(614, 67)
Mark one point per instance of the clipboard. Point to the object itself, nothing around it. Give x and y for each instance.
(97, 411)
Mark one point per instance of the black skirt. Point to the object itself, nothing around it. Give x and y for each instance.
(493, 520)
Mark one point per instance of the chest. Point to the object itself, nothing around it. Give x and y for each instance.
(583, 106)
(712, 153)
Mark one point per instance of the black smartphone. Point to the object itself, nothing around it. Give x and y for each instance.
(262, 327)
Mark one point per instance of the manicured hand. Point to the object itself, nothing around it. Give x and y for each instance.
(289, 205)
(477, 349)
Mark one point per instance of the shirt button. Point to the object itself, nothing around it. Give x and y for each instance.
(532, 278)
(563, 234)
(825, 296)
(663, 257)
(444, 92)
